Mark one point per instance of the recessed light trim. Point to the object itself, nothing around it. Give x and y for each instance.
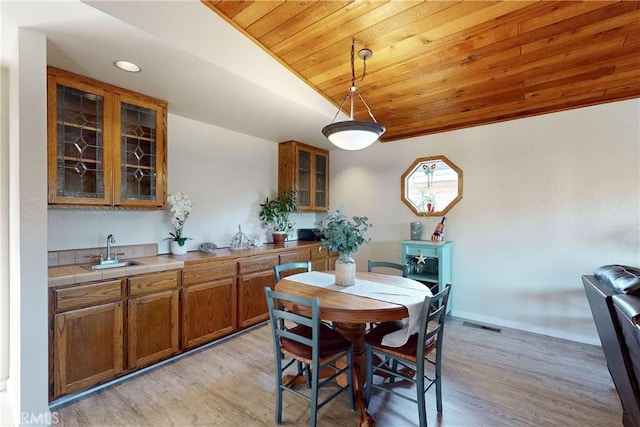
(127, 66)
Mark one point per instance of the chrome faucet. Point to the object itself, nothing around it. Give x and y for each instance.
(110, 240)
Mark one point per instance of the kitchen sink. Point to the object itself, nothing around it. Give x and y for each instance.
(110, 264)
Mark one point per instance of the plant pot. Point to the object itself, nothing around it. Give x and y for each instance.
(279, 237)
(178, 249)
(345, 270)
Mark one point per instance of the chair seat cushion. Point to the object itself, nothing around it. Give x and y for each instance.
(620, 278)
(374, 339)
(330, 342)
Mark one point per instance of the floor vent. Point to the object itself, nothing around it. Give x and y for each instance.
(479, 326)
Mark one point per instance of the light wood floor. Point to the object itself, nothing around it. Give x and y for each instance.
(511, 378)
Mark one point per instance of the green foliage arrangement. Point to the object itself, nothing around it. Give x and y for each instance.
(274, 213)
(344, 236)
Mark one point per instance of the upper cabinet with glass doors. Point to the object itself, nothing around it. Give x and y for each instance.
(305, 169)
(106, 145)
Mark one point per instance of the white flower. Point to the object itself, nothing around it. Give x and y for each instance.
(179, 211)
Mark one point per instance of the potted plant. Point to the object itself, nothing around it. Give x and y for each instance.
(345, 237)
(274, 214)
(179, 211)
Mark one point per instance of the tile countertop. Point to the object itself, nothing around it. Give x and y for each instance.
(71, 274)
(227, 254)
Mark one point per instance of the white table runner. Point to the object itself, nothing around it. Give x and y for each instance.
(411, 298)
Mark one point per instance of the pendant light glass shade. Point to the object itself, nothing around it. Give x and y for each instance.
(354, 134)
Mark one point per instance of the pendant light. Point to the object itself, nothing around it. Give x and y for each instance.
(354, 134)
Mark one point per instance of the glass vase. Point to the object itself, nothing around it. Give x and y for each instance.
(416, 231)
(345, 270)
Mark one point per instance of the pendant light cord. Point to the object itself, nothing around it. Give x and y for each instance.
(354, 89)
(353, 68)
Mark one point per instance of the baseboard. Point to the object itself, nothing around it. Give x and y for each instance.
(551, 332)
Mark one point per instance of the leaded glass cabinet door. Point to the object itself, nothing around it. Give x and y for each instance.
(141, 152)
(106, 145)
(80, 166)
(304, 178)
(321, 187)
(305, 169)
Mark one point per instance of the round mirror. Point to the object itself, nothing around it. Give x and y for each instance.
(431, 186)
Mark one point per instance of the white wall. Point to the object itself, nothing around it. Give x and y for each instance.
(4, 215)
(27, 249)
(226, 174)
(545, 200)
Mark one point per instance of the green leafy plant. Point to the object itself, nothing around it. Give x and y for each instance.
(274, 213)
(342, 235)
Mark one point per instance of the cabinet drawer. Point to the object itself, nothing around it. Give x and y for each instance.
(261, 263)
(296, 256)
(319, 265)
(208, 272)
(317, 253)
(153, 282)
(87, 295)
(424, 250)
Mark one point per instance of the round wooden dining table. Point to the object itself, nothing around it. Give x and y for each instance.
(350, 313)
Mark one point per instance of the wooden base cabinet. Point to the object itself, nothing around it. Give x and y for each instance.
(153, 318)
(105, 329)
(254, 274)
(323, 259)
(208, 302)
(87, 336)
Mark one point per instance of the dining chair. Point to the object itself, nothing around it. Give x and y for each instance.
(305, 349)
(288, 267)
(394, 362)
(279, 269)
(385, 264)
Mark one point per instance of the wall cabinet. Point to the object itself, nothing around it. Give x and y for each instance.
(305, 169)
(106, 145)
(208, 302)
(152, 318)
(86, 336)
(428, 262)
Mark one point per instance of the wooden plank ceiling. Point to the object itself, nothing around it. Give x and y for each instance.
(439, 66)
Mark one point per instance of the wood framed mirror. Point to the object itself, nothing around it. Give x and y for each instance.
(431, 186)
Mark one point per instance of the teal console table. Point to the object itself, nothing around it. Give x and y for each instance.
(428, 262)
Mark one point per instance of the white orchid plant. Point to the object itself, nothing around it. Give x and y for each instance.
(179, 211)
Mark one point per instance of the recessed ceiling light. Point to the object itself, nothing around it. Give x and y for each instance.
(127, 66)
